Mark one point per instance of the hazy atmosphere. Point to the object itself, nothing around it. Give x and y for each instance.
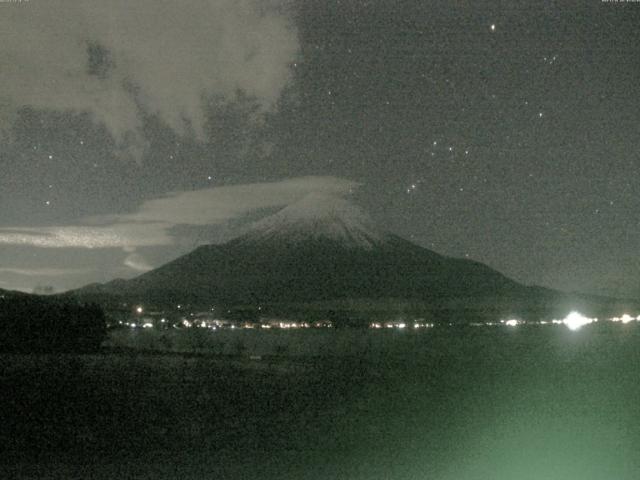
(505, 132)
(319, 239)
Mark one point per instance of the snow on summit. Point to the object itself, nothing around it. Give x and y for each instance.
(319, 216)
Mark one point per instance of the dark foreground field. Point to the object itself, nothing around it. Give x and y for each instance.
(448, 403)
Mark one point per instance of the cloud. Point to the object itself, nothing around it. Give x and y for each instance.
(218, 205)
(110, 236)
(114, 57)
(137, 262)
(43, 272)
(152, 224)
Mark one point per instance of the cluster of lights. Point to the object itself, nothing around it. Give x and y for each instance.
(399, 325)
(575, 321)
(626, 318)
(221, 324)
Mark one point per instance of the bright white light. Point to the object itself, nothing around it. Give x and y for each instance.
(402, 325)
(147, 325)
(139, 310)
(575, 321)
(626, 318)
(512, 323)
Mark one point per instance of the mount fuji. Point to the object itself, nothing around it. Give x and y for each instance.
(323, 253)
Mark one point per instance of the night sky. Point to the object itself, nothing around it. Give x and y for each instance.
(505, 132)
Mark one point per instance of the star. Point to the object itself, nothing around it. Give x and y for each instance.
(50, 157)
(493, 27)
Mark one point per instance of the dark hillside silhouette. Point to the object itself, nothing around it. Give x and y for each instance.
(29, 323)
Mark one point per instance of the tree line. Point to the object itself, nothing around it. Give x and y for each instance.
(37, 324)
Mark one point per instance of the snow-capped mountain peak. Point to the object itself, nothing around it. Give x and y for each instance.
(318, 216)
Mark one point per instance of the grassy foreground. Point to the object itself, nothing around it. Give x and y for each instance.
(450, 404)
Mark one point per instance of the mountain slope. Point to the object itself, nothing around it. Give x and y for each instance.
(320, 249)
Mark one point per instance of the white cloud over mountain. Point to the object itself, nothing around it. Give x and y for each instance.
(152, 223)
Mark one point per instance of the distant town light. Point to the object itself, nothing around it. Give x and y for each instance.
(139, 309)
(575, 321)
(626, 318)
(511, 323)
